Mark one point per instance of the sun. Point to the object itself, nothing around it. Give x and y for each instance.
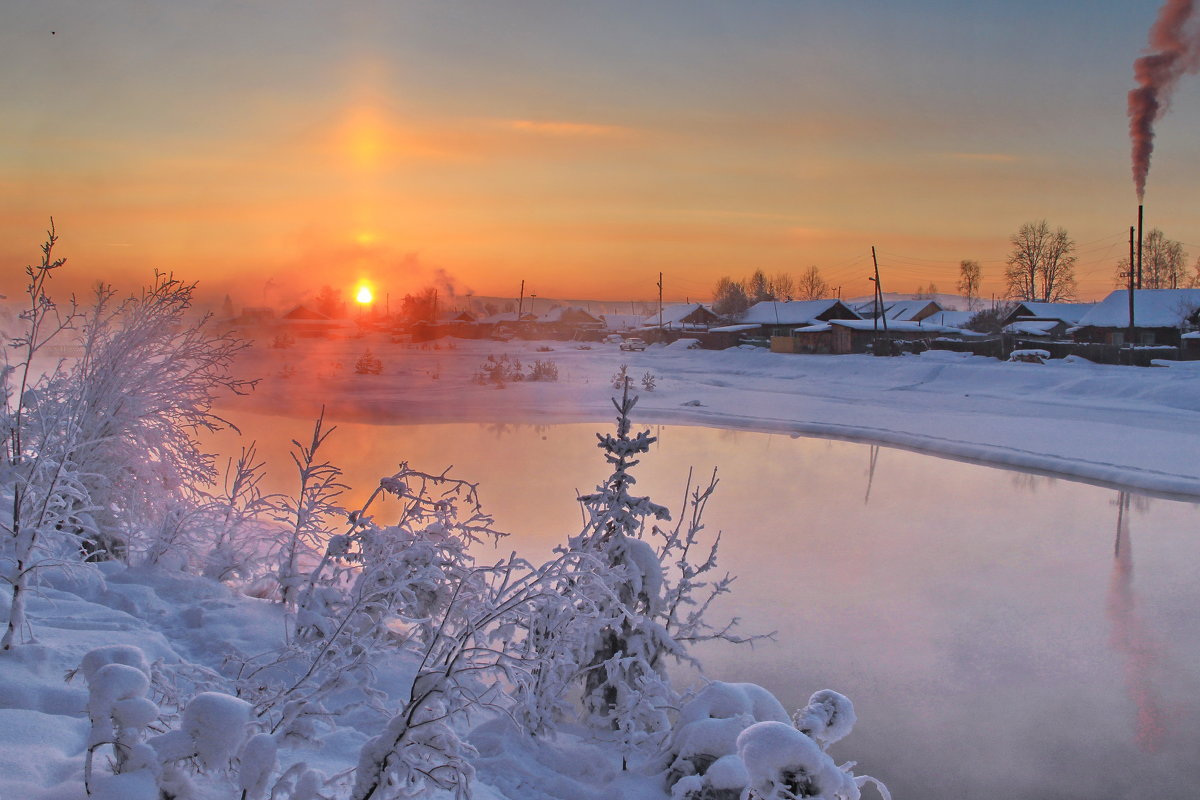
(364, 296)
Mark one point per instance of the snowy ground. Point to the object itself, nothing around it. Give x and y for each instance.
(1134, 427)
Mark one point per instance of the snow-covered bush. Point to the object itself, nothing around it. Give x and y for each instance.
(499, 371)
(542, 371)
(119, 713)
(621, 379)
(368, 364)
(308, 515)
(734, 741)
(784, 764)
(649, 382)
(640, 596)
(708, 726)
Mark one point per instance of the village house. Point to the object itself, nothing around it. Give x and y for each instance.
(1160, 317)
(682, 317)
(307, 322)
(567, 322)
(843, 336)
(1044, 320)
(780, 318)
(899, 310)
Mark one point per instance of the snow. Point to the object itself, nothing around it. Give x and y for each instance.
(1031, 327)
(145, 640)
(1108, 424)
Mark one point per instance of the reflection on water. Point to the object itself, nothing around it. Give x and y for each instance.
(995, 640)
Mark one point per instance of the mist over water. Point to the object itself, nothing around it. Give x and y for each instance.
(1001, 634)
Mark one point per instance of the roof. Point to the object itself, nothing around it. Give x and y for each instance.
(572, 314)
(304, 313)
(1032, 327)
(735, 328)
(790, 312)
(674, 314)
(955, 319)
(1070, 313)
(893, 326)
(1153, 308)
(620, 322)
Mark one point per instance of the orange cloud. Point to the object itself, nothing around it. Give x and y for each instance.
(563, 128)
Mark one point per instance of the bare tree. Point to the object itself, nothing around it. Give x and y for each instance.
(783, 286)
(1164, 264)
(811, 285)
(1041, 265)
(969, 273)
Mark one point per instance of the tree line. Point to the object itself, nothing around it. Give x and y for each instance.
(1040, 268)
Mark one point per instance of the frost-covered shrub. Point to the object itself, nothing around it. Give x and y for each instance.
(709, 724)
(119, 713)
(784, 764)
(499, 371)
(368, 364)
(542, 371)
(649, 382)
(639, 596)
(621, 380)
(829, 717)
(734, 741)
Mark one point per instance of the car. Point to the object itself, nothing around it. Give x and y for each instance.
(633, 344)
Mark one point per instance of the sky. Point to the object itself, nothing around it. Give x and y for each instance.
(268, 148)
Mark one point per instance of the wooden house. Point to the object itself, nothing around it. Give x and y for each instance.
(780, 318)
(1160, 318)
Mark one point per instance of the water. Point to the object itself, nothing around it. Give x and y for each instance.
(1002, 635)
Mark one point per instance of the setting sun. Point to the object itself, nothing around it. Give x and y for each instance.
(364, 295)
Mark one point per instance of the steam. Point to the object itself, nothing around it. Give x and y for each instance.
(1174, 51)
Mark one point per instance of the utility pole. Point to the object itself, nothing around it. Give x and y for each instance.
(879, 312)
(660, 302)
(521, 302)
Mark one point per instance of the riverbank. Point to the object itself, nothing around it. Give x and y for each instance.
(1131, 427)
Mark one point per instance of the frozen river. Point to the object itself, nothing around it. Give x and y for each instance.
(1001, 634)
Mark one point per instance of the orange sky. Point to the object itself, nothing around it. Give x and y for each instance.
(583, 148)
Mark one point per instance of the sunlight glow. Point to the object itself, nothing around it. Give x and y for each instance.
(364, 295)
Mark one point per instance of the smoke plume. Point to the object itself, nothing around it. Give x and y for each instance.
(1174, 51)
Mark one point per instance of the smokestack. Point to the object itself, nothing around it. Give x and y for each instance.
(1139, 252)
(1172, 53)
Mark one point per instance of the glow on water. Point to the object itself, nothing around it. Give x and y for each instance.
(1001, 634)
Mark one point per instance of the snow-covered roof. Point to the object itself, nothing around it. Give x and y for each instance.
(621, 322)
(1153, 308)
(735, 328)
(893, 326)
(306, 314)
(506, 316)
(908, 309)
(1070, 313)
(568, 314)
(1038, 327)
(674, 314)
(954, 319)
(789, 312)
